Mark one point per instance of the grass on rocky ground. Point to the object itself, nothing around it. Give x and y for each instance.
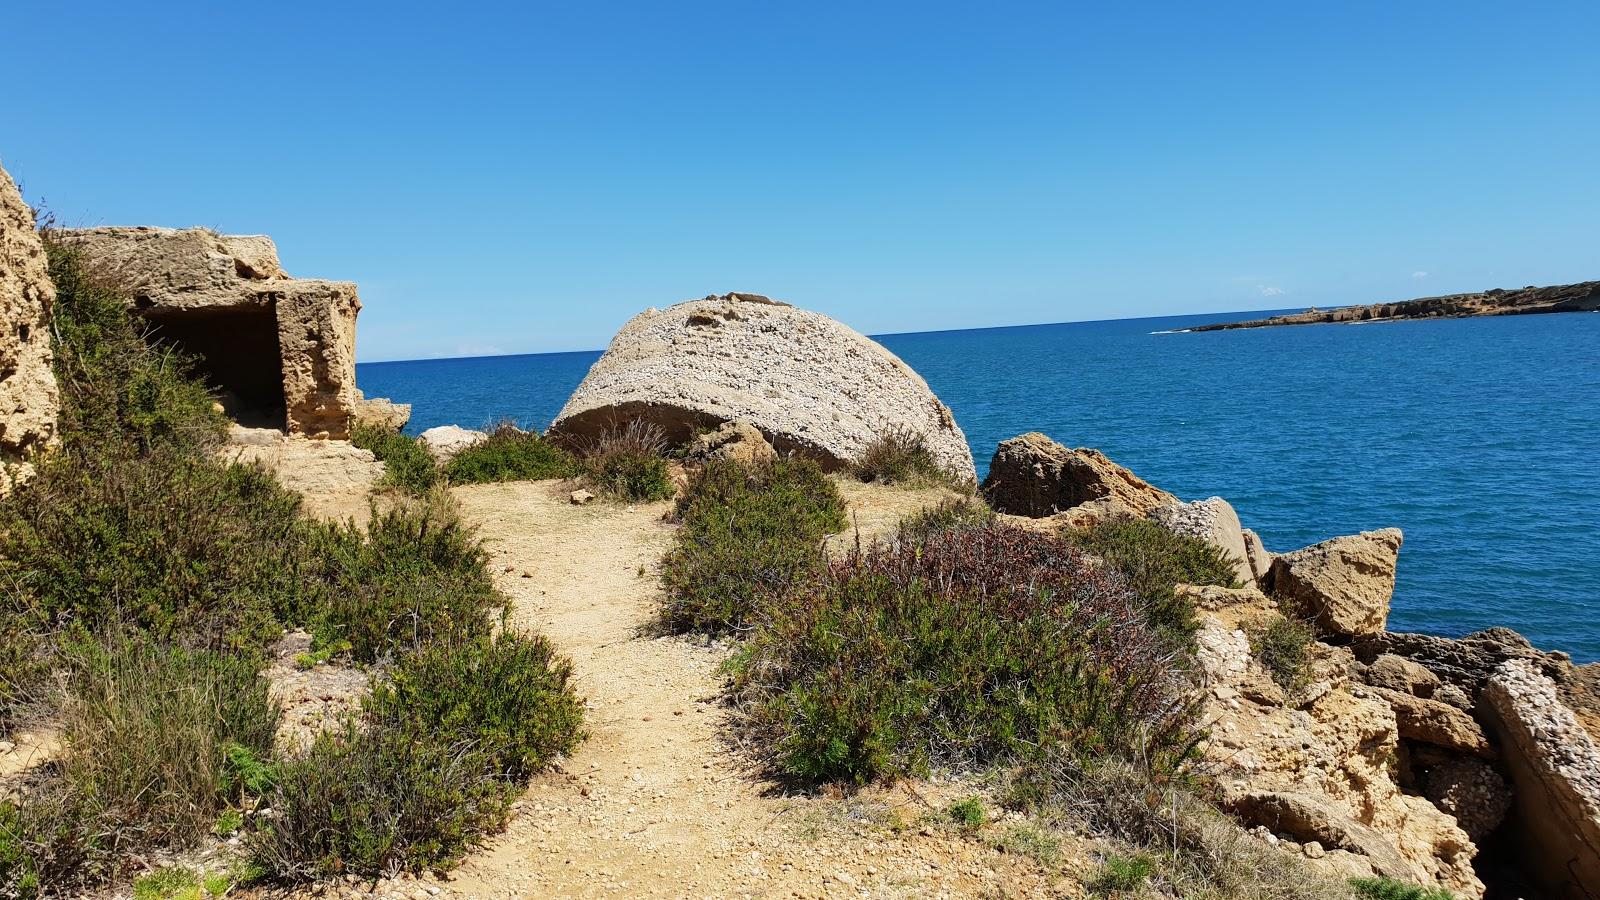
(629, 463)
(407, 464)
(143, 579)
(510, 454)
(749, 536)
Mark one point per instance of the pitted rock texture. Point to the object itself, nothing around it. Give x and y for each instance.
(1320, 767)
(1344, 584)
(1259, 557)
(227, 299)
(810, 384)
(737, 441)
(1032, 475)
(1472, 791)
(1555, 770)
(1214, 521)
(1465, 663)
(29, 402)
(381, 413)
(334, 477)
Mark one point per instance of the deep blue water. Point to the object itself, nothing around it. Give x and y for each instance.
(1479, 437)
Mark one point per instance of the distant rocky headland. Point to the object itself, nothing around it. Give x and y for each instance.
(1581, 297)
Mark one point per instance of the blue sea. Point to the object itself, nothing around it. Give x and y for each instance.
(1479, 437)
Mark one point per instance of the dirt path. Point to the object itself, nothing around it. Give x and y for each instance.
(654, 804)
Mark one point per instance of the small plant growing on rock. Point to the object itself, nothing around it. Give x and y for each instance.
(1122, 873)
(1283, 647)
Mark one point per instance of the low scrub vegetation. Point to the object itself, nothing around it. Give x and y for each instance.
(144, 579)
(441, 749)
(629, 463)
(966, 647)
(749, 536)
(407, 464)
(510, 454)
(901, 456)
(1390, 889)
(1154, 560)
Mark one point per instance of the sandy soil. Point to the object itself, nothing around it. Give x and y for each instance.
(655, 803)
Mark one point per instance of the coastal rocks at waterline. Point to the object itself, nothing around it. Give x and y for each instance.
(1213, 521)
(29, 402)
(811, 385)
(379, 413)
(1315, 765)
(445, 441)
(1555, 767)
(280, 350)
(1034, 476)
(1345, 584)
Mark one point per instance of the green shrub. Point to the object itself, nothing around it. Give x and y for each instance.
(1155, 559)
(1283, 647)
(183, 546)
(510, 696)
(371, 802)
(1391, 889)
(117, 390)
(510, 454)
(965, 648)
(179, 883)
(749, 535)
(1122, 873)
(629, 463)
(901, 456)
(24, 663)
(407, 464)
(415, 575)
(632, 477)
(968, 813)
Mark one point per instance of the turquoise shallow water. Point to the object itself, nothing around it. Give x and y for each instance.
(1479, 437)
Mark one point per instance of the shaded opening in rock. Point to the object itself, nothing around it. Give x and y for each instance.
(237, 355)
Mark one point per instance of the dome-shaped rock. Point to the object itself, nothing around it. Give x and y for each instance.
(811, 385)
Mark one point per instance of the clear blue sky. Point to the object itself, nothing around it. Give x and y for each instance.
(525, 178)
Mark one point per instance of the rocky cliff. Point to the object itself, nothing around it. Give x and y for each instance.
(28, 398)
(1582, 297)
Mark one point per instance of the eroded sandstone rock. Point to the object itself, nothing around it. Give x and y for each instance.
(810, 384)
(29, 403)
(280, 349)
(1472, 791)
(1032, 475)
(381, 413)
(1344, 584)
(1259, 557)
(1400, 674)
(334, 477)
(1465, 663)
(1434, 722)
(736, 441)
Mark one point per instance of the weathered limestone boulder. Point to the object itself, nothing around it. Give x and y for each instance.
(1555, 770)
(1308, 817)
(1472, 791)
(281, 350)
(445, 441)
(1434, 722)
(1032, 475)
(1213, 521)
(28, 399)
(1344, 584)
(1397, 673)
(811, 385)
(737, 441)
(380, 413)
